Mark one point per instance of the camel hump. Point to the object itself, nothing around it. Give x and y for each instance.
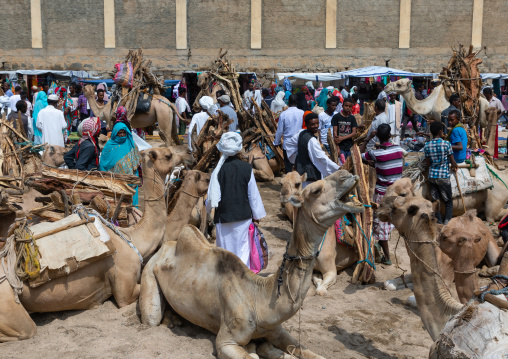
(191, 239)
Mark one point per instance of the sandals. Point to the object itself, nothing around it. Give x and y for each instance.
(386, 261)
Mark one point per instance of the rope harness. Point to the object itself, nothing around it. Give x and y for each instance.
(503, 291)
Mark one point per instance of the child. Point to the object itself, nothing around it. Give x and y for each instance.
(344, 128)
(438, 155)
(388, 161)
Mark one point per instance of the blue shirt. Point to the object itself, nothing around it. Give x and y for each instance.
(438, 151)
(459, 135)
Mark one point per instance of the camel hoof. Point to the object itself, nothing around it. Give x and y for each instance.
(411, 301)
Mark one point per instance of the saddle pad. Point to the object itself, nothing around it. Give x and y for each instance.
(469, 184)
(69, 250)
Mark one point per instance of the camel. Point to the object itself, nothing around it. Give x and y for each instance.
(194, 187)
(212, 288)
(203, 83)
(452, 262)
(161, 112)
(116, 275)
(333, 256)
(263, 168)
(414, 219)
(433, 105)
(53, 155)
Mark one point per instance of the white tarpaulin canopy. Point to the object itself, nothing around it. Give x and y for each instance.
(82, 74)
(369, 71)
(488, 76)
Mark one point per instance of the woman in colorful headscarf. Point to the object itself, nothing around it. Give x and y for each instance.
(41, 102)
(103, 86)
(272, 89)
(308, 96)
(120, 154)
(84, 156)
(321, 99)
(70, 113)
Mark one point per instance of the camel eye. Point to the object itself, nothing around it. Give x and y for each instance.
(297, 185)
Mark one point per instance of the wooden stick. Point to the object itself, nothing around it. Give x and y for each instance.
(460, 191)
(60, 229)
(118, 208)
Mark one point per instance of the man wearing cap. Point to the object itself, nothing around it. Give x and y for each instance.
(199, 119)
(225, 107)
(51, 122)
(235, 196)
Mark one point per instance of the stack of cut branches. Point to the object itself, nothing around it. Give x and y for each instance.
(106, 192)
(258, 124)
(143, 81)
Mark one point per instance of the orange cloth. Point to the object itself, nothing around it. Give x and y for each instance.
(303, 122)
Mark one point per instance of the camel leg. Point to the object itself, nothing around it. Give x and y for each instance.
(15, 323)
(325, 263)
(267, 351)
(167, 124)
(151, 299)
(281, 339)
(124, 277)
(227, 347)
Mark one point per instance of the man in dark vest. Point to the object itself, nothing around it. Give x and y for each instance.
(235, 196)
(305, 152)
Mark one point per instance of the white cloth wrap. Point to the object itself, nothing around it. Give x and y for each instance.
(206, 102)
(229, 145)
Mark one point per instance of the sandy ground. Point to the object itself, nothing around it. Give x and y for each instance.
(351, 321)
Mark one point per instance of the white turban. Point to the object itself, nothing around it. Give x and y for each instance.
(206, 102)
(309, 84)
(229, 145)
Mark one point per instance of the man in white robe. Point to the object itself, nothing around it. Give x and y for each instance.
(248, 94)
(304, 151)
(290, 122)
(199, 119)
(51, 122)
(235, 196)
(394, 112)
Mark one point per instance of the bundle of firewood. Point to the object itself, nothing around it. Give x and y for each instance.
(143, 79)
(106, 192)
(462, 70)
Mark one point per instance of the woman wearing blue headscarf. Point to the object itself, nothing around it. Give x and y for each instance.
(41, 102)
(321, 99)
(121, 155)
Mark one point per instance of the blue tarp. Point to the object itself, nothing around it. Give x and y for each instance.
(110, 82)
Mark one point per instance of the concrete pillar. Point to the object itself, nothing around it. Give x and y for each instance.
(476, 37)
(331, 24)
(109, 24)
(181, 24)
(255, 23)
(405, 24)
(35, 14)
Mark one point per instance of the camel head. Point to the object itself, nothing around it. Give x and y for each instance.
(409, 215)
(53, 155)
(403, 187)
(492, 114)
(103, 139)
(195, 182)
(460, 235)
(399, 86)
(203, 79)
(164, 159)
(291, 185)
(328, 199)
(184, 154)
(89, 91)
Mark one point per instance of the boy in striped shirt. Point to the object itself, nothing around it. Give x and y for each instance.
(388, 159)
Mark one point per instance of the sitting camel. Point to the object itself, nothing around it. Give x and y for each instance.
(263, 168)
(452, 263)
(116, 275)
(483, 325)
(433, 105)
(161, 112)
(194, 187)
(212, 288)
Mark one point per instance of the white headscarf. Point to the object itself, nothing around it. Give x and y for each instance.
(206, 103)
(229, 145)
(278, 103)
(309, 84)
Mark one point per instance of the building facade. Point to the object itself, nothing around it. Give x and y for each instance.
(261, 35)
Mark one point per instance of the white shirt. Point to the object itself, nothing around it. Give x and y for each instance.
(290, 123)
(392, 117)
(378, 120)
(317, 156)
(51, 122)
(344, 93)
(13, 100)
(325, 123)
(182, 105)
(228, 110)
(247, 96)
(199, 121)
(494, 102)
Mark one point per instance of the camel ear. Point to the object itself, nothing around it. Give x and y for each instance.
(295, 200)
(304, 177)
(153, 155)
(52, 150)
(416, 187)
(471, 214)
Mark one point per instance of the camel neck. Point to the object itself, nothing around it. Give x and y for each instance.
(433, 297)
(148, 232)
(297, 273)
(181, 211)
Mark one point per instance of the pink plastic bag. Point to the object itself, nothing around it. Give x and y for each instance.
(255, 263)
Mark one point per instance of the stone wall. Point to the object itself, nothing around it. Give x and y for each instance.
(293, 35)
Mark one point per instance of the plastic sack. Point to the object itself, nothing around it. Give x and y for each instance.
(258, 249)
